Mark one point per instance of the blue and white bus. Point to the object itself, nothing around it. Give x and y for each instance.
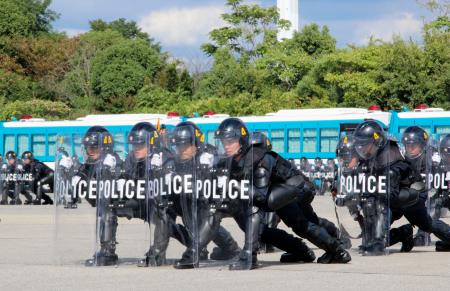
(294, 134)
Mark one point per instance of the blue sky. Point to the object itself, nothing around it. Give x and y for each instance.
(181, 26)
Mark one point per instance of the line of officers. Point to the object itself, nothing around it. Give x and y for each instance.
(26, 176)
(272, 190)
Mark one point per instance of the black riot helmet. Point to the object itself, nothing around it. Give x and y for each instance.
(188, 133)
(143, 133)
(27, 155)
(345, 150)
(413, 137)
(444, 149)
(369, 137)
(11, 155)
(259, 139)
(234, 128)
(98, 137)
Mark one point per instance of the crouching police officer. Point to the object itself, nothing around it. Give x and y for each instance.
(41, 175)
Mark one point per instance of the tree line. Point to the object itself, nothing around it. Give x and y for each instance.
(115, 67)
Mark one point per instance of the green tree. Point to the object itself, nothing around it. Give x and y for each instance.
(25, 17)
(128, 29)
(120, 70)
(250, 30)
(312, 40)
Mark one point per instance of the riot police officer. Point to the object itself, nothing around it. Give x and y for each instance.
(406, 189)
(349, 162)
(280, 187)
(100, 160)
(13, 171)
(41, 175)
(441, 199)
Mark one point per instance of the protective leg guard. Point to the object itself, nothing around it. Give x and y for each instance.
(227, 248)
(441, 230)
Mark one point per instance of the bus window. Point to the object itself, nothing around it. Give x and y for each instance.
(9, 143)
(442, 130)
(328, 140)
(309, 140)
(38, 147)
(293, 140)
(119, 144)
(52, 145)
(22, 143)
(278, 140)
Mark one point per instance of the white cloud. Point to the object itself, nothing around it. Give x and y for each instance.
(405, 24)
(71, 32)
(182, 26)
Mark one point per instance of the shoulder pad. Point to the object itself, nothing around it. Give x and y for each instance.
(389, 155)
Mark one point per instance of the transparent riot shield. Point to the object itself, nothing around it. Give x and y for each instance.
(3, 175)
(75, 218)
(172, 204)
(420, 155)
(92, 200)
(439, 182)
(233, 199)
(362, 198)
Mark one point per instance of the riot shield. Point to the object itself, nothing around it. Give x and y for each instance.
(3, 192)
(347, 199)
(234, 197)
(172, 204)
(75, 220)
(362, 204)
(439, 182)
(91, 229)
(419, 151)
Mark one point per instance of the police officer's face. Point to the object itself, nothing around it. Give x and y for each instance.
(93, 152)
(11, 162)
(140, 151)
(353, 162)
(413, 150)
(186, 151)
(26, 161)
(231, 146)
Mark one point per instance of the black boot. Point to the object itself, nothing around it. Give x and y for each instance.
(153, 258)
(338, 256)
(307, 257)
(189, 260)
(103, 258)
(442, 246)
(403, 234)
(227, 248)
(47, 199)
(204, 254)
(334, 252)
(4, 202)
(246, 261)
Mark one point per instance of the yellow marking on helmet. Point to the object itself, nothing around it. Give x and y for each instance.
(376, 136)
(61, 139)
(425, 135)
(345, 140)
(105, 140)
(202, 138)
(109, 139)
(152, 140)
(243, 132)
(197, 133)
